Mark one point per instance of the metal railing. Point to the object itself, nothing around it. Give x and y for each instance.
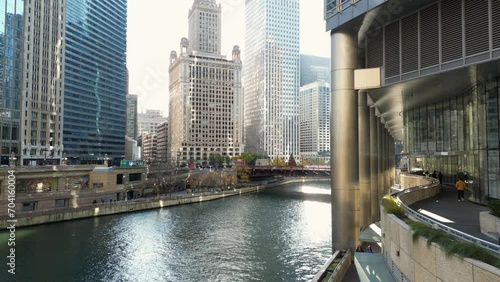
(437, 225)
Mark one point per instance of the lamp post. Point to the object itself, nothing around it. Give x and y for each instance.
(64, 159)
(12, 159)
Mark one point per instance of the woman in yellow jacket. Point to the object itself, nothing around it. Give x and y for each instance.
(460, 188)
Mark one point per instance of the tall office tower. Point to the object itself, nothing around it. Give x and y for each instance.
(11, 74)
(205, 27)
(162, 141)
(149, 147)
(95, 80)
(205, 99)
(314, 68)
(272, 77)
(43, 87)
(132, 116)
(148, 122)
(314, 101)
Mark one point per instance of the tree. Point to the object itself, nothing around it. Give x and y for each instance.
(291, 161)
(277, 161)
(243, 173)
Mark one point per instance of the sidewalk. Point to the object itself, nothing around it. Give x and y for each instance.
(464, 215)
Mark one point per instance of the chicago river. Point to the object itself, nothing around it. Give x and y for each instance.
(280, 234)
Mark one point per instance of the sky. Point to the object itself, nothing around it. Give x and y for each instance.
(155, 27)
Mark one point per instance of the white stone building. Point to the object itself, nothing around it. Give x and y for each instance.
(205, 92)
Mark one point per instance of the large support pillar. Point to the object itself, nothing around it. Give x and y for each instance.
(344, 141)
(374, 166)
(389, 156)
(384, 160)
(364, 160)
(380, 159)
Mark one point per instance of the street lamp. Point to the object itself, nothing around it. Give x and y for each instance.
(64, 159)
(12, 159)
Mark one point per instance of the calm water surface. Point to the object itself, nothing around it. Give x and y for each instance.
(281, 234)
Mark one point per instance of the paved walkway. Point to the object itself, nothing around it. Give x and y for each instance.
(464, 214)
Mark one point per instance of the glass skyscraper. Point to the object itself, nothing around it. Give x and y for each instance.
(95, 80)
(314, 68)
(271, 83)
(11, 64)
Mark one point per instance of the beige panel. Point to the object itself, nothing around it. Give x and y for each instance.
(367, 78)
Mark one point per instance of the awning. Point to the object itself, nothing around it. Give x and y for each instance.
(371, 267)
(371, 234)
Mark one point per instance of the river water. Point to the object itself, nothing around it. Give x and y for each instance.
(280, 234)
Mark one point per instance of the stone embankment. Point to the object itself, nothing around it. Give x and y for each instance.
(58, 215)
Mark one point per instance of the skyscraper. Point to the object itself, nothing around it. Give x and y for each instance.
(43, 87)
(95, 79)
(205, 92)
(148, 122)
(132, 116)
(314, 104)
(205, 27)
(314, 68)
(272, 77)
(11, 64)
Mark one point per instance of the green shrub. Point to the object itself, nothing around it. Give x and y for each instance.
(392, 207)
(452, 245)
(495, 207)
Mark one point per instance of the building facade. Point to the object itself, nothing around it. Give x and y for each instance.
(162, 137)
(95, 80)
(148, 122)
(149, 147)
(42, 99)
(314, 101)
(205, 99)
(205, 34)
(132, 113)
(314, 68)
(11, 76)
(436, 62)
(272, 61)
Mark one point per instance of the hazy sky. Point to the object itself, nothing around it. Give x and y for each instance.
(155, 28)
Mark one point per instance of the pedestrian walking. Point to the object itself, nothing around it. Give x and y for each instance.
(460, 185)
(440, 177)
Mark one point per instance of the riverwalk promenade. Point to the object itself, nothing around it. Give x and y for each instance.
(116, 207)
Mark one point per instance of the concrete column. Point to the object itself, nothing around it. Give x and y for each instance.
(380, 160)
(364, 160)
(373, 166)
(384, 160)
(389, 156)
(344, 141)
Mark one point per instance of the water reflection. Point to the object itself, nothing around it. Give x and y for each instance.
(282, 234)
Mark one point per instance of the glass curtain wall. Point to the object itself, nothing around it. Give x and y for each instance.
(459, 137)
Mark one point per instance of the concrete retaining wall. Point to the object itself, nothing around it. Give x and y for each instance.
(420, 263)
(489, 224)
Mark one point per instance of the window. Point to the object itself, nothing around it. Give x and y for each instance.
(29, 206)
(61, 203)
(119, 179)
